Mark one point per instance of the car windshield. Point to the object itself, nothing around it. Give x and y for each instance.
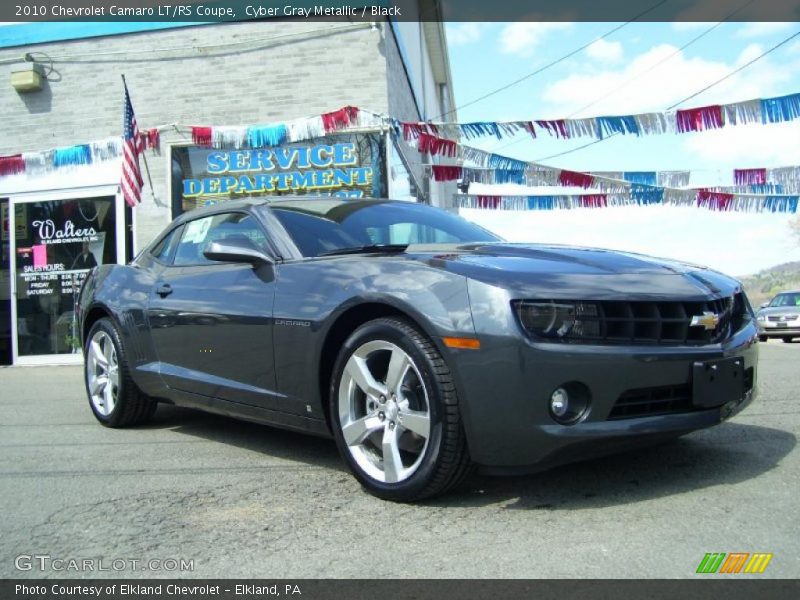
(320, 227)
(785, 300)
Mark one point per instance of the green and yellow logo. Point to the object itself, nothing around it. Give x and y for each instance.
(735, 562)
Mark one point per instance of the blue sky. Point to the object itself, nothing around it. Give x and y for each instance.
(485, 56)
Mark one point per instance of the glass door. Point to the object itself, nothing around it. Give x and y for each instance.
(55, 242)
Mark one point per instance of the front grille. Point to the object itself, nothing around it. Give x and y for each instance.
(643, 322)
(665, 400)
(662, 400)
(773, 319)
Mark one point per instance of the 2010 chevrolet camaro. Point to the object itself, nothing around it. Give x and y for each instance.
(422, 343)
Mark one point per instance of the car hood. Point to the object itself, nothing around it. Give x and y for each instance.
(574, 272)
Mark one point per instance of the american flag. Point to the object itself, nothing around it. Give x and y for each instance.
(132, 181)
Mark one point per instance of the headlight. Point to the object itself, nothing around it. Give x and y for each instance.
(761, 317)
(556, 320)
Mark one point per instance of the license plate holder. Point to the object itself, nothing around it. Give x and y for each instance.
(782, 325)
(717, 382)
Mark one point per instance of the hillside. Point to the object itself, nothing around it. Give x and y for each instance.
(765, 284)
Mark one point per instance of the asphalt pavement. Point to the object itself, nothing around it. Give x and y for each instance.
(234, 499)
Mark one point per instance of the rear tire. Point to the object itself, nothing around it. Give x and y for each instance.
(114, 398)
(394, 413)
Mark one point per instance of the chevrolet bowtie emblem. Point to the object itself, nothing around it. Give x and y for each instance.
(709, 320)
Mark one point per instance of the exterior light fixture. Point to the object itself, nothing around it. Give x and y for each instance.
(28, 78)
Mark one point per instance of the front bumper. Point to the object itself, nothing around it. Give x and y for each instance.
(775, 330)
(505, 390)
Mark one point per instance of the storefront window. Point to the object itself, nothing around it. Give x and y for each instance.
(401, 183)
(57, 242)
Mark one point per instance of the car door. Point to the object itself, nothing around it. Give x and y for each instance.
(211, 322)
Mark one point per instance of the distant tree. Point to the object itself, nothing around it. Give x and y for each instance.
(794, 226)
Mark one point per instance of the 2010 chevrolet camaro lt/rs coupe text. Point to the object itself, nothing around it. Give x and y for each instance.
(422, 343)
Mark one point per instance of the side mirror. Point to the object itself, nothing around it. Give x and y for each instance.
(764, 305)
(236, 250)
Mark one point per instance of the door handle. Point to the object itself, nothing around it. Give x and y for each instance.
(164, 290)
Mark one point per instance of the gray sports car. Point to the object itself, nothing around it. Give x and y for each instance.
(422, 343)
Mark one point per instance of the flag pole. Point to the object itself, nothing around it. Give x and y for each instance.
(144, 158)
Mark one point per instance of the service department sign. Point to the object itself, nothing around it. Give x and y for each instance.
(337, 165)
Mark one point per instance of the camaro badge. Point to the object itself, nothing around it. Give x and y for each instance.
(708, 320)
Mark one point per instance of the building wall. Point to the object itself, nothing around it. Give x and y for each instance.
(276, 71)
(405, 105)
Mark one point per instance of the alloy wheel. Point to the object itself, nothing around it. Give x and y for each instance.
(384, 411)
(102, 373)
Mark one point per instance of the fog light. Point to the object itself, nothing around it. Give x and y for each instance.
(559, 402)
(569, 402)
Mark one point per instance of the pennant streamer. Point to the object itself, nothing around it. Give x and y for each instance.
(753, 189)
(749, 176)
(201, 136)
(714, 200)
(446, 173)
(339, 119)
(558, 128)
(229, 137)
(429, 144)
(613, 125)
(152, 139)
(10, 165)
(268, 135)
(784, 108)
(573, 179)
(685, 198)
(37, 162)
(699, 119)
(73, 155)
(107, 149)
(765, 111)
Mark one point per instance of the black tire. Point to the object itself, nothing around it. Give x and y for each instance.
(445, 461)
(131, 407)
(762, 338)
(787, 340)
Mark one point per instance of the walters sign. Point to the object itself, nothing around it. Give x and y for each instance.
(350, 166)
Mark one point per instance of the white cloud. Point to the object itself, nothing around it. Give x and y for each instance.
(604, 51)
(459, 34)
(523, 38)
(753, 30)
(682, 26)
(750, 52)
(746, 146)
(661, 76)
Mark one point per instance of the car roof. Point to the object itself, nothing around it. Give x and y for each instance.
(247, 203)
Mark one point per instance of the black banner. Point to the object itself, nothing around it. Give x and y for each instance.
(402, 10)
(730, 588)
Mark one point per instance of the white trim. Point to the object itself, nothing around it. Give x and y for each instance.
(40, 360)
(12, 277)
(92, 191)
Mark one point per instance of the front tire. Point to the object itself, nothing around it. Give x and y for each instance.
(762, 338)
(787, 340)
(113, 396)
(394, 413)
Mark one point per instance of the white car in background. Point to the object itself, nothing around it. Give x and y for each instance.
(780, 317)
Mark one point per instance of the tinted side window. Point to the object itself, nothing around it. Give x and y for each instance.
(198, 234)
(163, 250)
